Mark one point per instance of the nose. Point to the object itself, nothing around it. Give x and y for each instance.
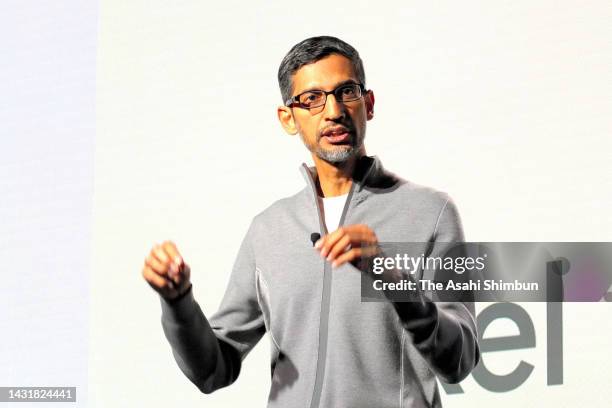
(333, 109)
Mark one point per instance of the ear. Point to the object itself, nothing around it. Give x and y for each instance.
(285, 117)
(369, 101)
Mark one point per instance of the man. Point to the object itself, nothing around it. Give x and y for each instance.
(329, 349)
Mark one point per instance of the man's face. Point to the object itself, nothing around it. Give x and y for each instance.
(336, 131)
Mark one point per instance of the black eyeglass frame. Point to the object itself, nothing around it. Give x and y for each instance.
(296, 99)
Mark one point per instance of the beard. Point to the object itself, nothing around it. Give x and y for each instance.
(336, 154)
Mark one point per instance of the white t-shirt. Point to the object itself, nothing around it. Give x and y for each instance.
(332, 210)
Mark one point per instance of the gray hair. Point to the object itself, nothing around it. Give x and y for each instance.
(312, 50)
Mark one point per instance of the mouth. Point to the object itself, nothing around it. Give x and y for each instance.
(337, 135)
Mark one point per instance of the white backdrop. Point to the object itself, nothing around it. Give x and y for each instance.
(47, 129)
(504, 105)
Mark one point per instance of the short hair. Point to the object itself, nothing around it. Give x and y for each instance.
(312, 50)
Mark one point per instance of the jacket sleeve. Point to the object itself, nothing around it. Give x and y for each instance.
(210, 352)
(444, 332)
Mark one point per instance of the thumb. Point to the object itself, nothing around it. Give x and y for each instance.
(184, 270)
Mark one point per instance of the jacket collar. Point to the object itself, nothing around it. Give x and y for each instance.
(369, 172)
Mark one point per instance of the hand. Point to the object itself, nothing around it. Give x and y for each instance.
(348, 243)
(166, 272)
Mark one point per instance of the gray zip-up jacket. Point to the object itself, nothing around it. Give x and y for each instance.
(330, 349)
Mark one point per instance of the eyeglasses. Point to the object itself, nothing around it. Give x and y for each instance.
(317, 98)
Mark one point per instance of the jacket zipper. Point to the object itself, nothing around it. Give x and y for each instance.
(326, 295)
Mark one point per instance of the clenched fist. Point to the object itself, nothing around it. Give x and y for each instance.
(166, 272)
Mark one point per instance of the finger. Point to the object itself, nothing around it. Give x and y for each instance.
(341, 245)
(356, 253)
(348, 256)
(157, 282)
(370, 250)
(158, 267)
(361, 233)
(173, 252)
(175, 260)
(330, 240)
(158, 252)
